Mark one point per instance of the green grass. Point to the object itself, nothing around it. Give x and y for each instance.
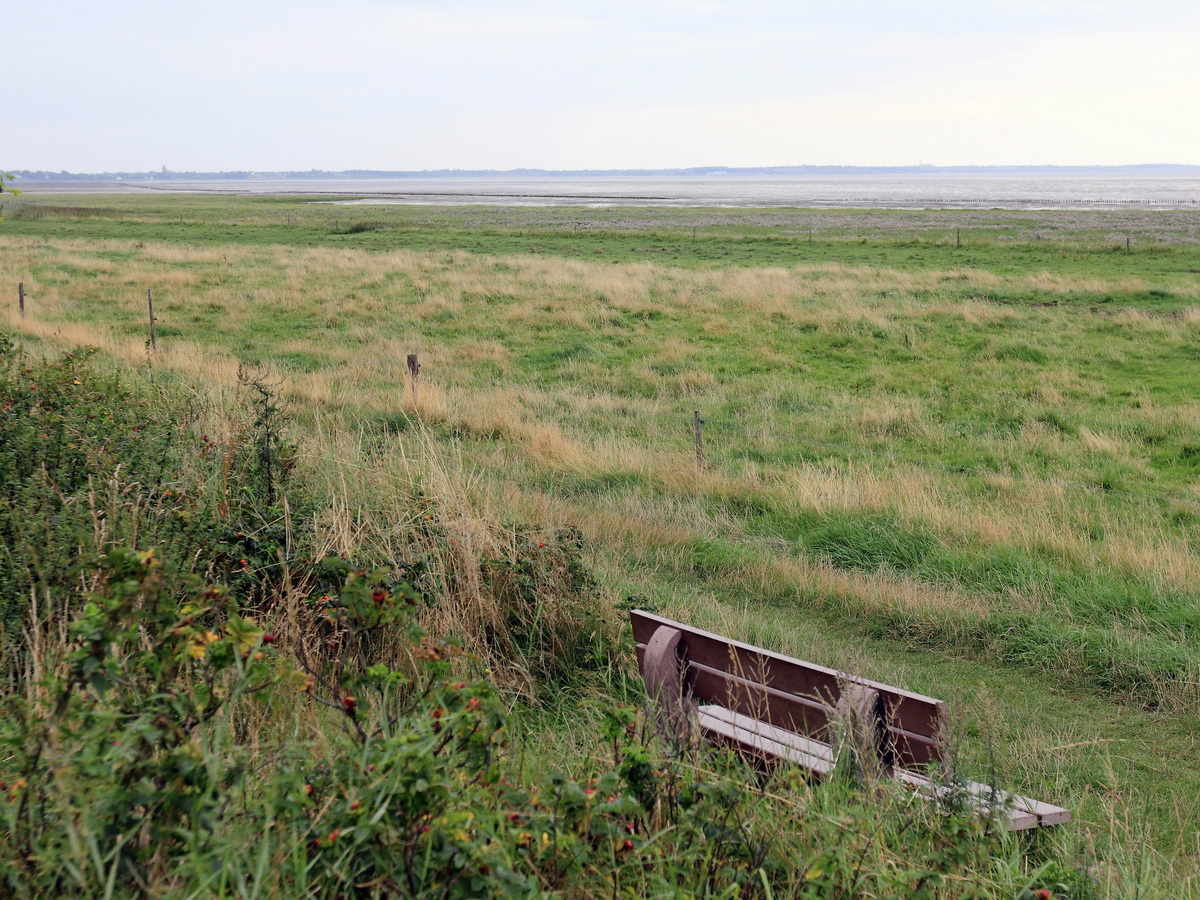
(1049, 592)
(1007, 243)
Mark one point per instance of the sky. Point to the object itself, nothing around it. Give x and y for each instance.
(134, 85)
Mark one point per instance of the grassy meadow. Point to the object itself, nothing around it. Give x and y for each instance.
(954, 451)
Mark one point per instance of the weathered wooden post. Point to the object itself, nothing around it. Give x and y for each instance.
(414, 374)
(696, 423)
(21, 298)
(1127, 250)
(150, 307)
(957, 237)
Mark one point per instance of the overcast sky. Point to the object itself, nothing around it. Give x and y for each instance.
(107, 85)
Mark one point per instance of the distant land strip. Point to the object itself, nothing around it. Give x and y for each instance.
(1157, 169)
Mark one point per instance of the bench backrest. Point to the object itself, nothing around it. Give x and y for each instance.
(791, 694)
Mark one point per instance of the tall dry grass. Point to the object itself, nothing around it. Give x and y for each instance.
(365, 311)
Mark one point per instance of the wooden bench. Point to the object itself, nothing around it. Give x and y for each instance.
(774, 707)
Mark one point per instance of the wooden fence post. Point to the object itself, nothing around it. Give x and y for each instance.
(21, 297)
(414, 374)
(957, 237)
(696, 423)
(150, 307)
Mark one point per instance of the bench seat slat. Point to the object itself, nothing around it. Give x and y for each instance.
(1016, 819)
(763, 738)
(818, 749)
(810, 754)
(1046, 813)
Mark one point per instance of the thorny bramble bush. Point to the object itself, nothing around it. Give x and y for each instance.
(87, 462)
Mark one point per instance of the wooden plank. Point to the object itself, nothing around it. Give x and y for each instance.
(770, 732)
(759, 745)
(915, 750)
(914, 721)
(750, 663)
(1047, 813)
(911, 712)
(796, 714)
(764, 740)
(985, 800)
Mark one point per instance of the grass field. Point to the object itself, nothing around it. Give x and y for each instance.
(954, 451)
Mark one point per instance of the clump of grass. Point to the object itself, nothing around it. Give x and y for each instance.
(361, 227)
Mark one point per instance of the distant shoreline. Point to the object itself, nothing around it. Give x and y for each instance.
(940, 189)
(1150, 170)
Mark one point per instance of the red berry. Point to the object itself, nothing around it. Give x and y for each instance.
(268, 638)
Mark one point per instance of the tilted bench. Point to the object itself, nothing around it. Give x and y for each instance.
(774, 707)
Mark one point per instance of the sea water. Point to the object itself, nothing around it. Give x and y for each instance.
(892, 191)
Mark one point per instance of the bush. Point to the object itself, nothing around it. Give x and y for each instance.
(124, 775)
(88, 464)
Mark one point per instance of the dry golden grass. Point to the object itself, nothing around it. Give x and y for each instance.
(373, 308)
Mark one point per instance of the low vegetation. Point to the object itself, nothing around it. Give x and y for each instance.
(967, 469)
(154, 744)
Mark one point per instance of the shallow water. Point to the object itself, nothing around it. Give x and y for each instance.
(858, 191)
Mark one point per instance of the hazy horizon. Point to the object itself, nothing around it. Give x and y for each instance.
(961, 169)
